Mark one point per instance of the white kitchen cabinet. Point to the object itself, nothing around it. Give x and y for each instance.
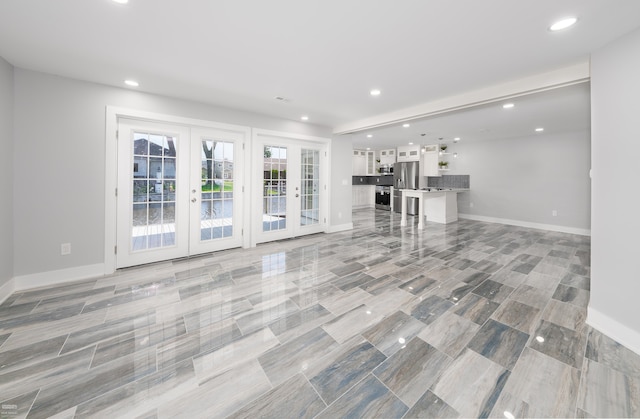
(408, 153)
(387, 156)
(359, 163)
(363, 196)
(370, 163)
(430, 161)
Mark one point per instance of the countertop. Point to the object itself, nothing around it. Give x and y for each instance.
(431, 190)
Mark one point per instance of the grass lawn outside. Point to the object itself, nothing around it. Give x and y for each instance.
(215, 187)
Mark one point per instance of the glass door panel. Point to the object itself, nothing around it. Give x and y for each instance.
(274, 197)
(153, 192)
(310, 187)
(217, 189)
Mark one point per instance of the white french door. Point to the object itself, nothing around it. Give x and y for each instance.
(216, 190)
(179, 191)
(289, 191)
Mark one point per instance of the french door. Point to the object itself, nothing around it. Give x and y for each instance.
(291, 197)
(179, 191)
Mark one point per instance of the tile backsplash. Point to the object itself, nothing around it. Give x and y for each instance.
(449, 181)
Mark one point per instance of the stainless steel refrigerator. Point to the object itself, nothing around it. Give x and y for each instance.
(405, 176)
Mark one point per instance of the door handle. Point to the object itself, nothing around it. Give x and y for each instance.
(297, 195)
(193, 200)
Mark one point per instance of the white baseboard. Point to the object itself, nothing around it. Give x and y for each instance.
(6, 290)
(46, 279)
(340, 227)
(622, 334)
(549, 227)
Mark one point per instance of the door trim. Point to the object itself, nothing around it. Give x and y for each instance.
(113, 113)
(259, 135)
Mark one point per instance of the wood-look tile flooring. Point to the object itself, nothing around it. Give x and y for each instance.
(470, 319)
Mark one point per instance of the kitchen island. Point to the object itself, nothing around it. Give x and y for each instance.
(440, 205)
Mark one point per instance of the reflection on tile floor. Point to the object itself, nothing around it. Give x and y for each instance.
(464, 320)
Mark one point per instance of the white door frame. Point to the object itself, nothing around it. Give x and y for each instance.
(258, 136)
(113, 113)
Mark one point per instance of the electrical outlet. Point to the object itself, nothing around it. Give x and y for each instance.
(554, 213)
(65, 249)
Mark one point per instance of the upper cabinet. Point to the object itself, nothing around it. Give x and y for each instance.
(359, 163)
(430, 160)
(408, 153)
(364, 163)
(387, 157)
(371, 163)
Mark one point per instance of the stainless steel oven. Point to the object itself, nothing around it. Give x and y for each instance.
(383, 197)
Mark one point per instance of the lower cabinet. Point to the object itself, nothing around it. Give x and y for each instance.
(363, 196)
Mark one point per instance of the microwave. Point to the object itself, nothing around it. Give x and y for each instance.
(386, 169)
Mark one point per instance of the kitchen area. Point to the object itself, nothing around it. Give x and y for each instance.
(411, 180)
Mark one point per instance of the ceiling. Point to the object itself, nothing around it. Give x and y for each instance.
(322, 56)
(558, 110)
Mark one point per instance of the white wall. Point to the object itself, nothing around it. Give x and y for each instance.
(615, 223)
(525, 179)
(342, 159)
(60, 158)
(6, 172)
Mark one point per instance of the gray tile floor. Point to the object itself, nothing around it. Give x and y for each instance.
(464, 320)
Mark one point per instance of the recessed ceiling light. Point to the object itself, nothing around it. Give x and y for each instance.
(121, 1)
(304, 117)
(369, 135)
(455, 140)
(563, 24)
(508, 105)
(131, 83)
(540, 339)
(406, 125)
(368, 148)
(375, 92)
(539, 129)
(410, 143)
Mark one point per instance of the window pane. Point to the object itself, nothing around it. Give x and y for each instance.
(310, 170)
(153, 191)
(274, 188)
(217, 184)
